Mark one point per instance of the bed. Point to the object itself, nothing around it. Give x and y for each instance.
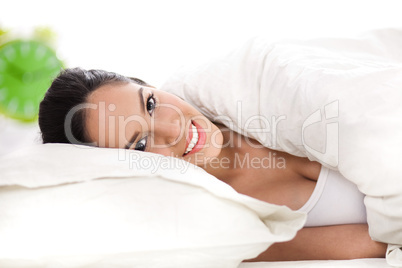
(380, 263)
(333, 100)
(75, 206)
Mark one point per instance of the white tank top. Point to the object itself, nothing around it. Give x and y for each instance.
(335, 200)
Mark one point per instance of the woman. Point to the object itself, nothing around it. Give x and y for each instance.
(105, 109)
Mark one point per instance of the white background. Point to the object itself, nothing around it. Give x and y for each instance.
(150, 39)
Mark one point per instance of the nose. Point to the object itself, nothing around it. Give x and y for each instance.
(166, 132)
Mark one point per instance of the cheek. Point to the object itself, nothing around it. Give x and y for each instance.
(216, 138)
(164, 151)
(179, 105)
(170, 111)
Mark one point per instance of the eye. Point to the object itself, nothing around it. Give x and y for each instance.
(151, 103)
(141, 144)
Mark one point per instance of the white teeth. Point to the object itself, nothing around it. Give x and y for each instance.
(194, 140)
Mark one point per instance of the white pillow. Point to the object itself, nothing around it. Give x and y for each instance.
(68, 206)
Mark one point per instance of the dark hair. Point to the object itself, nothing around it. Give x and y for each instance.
(68, 90)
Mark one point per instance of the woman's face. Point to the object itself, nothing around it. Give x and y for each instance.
(142, 118)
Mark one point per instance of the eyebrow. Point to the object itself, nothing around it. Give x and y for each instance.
(136, 133)
(141, 96)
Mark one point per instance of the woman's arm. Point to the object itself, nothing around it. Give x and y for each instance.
(337, 242)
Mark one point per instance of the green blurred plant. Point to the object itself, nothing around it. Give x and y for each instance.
(45, 34)
(27, 66)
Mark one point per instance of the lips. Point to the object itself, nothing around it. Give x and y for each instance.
(196, 138)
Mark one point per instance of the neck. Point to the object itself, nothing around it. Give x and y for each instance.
(242, 156)
(223, 166)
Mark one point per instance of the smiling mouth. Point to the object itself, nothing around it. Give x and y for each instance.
(193, 140)
(197, 139)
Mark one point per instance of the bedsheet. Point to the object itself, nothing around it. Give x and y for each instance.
(336, 101)
(366, 263)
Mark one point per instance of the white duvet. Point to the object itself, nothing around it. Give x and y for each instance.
(336, 101)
